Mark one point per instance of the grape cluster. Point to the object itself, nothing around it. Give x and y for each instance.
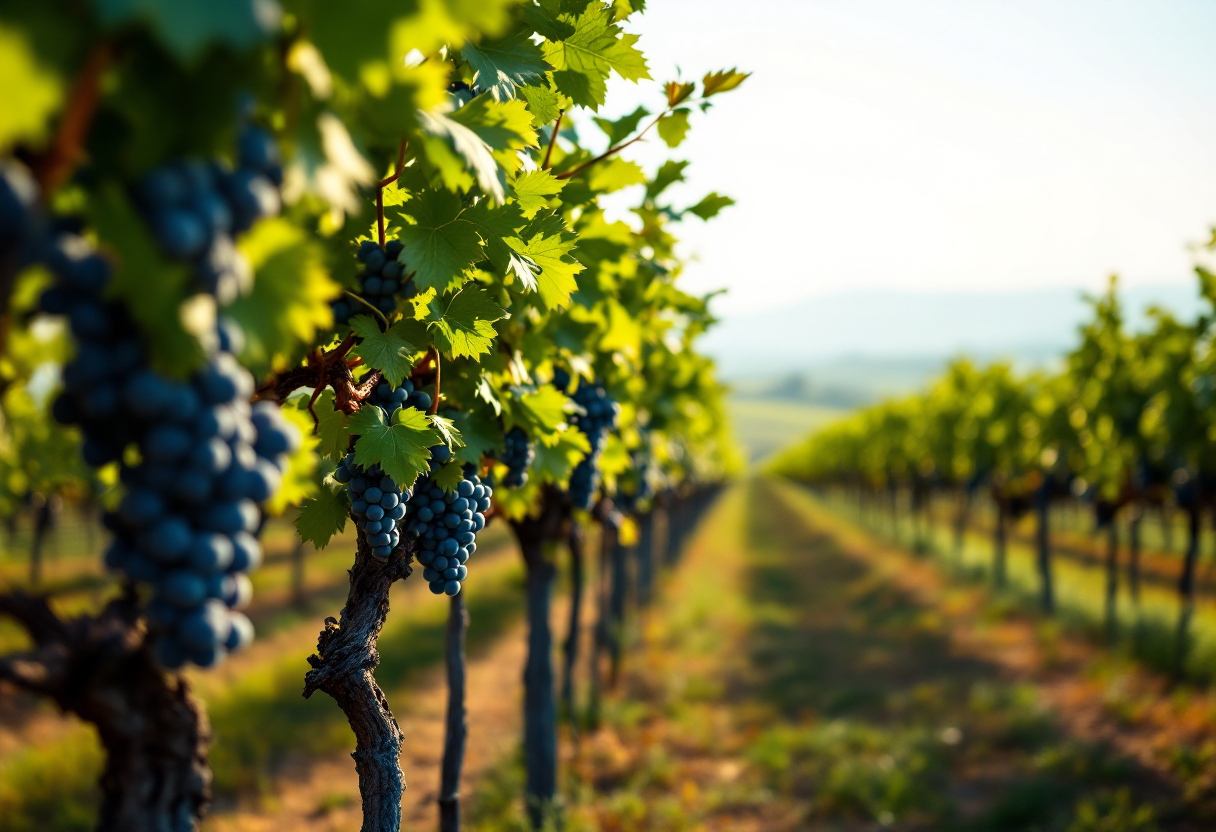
(517, 455)
(196, 208)
(599, 415)
(376, 502)
(643, 489)
(206, 459)
(20, 233)
(390, 399)
(380, 281)
(446, 524)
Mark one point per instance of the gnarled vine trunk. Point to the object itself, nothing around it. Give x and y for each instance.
(998, 550)
(645, 573)
(1043, 540)
(154, 732)
(1111, 614)
(616, 608)
(343, 667)
(1133, 555)
(536, 536)
(456, 729)
(1186, 591)
(574, 627)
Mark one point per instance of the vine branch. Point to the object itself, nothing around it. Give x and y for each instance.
(388, 180)
(65, 152)
(321, 370)
(614, 149)
(553, 139)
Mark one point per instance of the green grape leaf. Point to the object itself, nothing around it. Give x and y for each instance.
(493, 223)
(724, 81)
(613, 174)
(542, 410)
(441, 244)
(668, 174)
(447, 430)
(331, 424)
(290, 299)
(543, 103)
(532, 190)
(188, 27)
(32, 92)
(623, 8)
(619, 130)
(480, 432)
(583, 59)
(555, 281)
(455, 150)
(674, 127)
(504, 66)
(387, 352)
(323, 516)
(709, 207)
(462, 324)
(546, 20)
(502, 125)
(449, 476)
(473, 133)
(485, 392)
(402, 449)
(554, 462)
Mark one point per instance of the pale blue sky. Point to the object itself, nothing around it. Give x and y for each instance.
(943, 144)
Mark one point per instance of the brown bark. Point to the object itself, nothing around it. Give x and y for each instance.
(154, 732)
(344, 667)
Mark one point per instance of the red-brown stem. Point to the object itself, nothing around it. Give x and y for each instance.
(65, 152)
(612, 150)
(380, 215)
(388, 180)
(553, 139)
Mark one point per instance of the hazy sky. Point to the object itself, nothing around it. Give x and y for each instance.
(943, 144)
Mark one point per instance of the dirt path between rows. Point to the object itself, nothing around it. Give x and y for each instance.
(323, 795)
(1099, 698)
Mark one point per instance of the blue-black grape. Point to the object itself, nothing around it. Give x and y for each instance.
(377, 502)
(446, 525)
(381, 281)
(196, 208)
(517, 455)
(597, 415)
(206, 458)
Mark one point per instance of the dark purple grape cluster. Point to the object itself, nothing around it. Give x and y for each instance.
(21, 233)
(382, 279)
(517, 455)
(446, 525)
(390, 399)
(376, 502)
(206, 458)
(196, 208)
(598, 414)
(643, 489)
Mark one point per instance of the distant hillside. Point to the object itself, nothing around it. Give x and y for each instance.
(848, 349)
